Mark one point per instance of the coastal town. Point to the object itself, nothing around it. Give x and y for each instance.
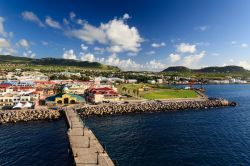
(34, 95)
(124, 83)
(33, 89)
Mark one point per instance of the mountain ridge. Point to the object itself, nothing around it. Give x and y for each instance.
(5, 59)
(212, 69)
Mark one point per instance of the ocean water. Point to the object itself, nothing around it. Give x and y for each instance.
(219, 136)
(40, 143)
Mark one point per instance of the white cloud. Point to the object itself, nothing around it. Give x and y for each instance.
(29, 54)
(202, 44)
(174, 58)
(44, 43)
(99, 50)
(65, 21)
(243, 45)
(202, 28)
(89, 34)
(52, 23)
(84, 47)
(186, 48)
(192, 60)
(23, 43)
(2, 31)
(233, 42)
(81, 22)
(5, 47)
(69, 54)
(4, 43)
(215, 54)
(116, 34)
(154, 65)
(150, 52)
(72, 15)
(132, 53)
(244, 64)
(231, 60)
(30, 16)
(157, 45)
(87, 57)
(122, 36)
(124, 64)
(129, 64)
(126, 16)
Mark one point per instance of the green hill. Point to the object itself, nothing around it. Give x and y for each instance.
(224, 69)
(177, 69)
(14, 60)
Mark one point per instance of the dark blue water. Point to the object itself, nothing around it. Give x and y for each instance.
(34, 143)
(197, 137)
(218, 136)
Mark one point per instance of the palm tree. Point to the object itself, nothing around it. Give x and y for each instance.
(137, 92)
(134, 92)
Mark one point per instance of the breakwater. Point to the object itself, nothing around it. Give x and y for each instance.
(13, 116)
(152, 106)
(85, 147)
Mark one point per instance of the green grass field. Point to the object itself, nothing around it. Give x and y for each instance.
(169, 94)
(156, 92)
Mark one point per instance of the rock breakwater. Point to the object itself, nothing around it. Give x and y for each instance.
(151, 106)
(13, 116)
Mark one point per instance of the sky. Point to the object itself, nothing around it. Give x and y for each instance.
(133, 35)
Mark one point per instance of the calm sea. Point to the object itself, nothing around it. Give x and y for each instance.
(34, 143)
(219, 136)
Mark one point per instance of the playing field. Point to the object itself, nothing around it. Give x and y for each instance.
(169, 94)
(154, 92)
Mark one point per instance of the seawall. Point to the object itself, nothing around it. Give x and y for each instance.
(13, 116)
(152, 106)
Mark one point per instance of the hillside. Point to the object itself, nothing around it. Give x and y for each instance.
(224, 69)
(8, 59)
(177, 69)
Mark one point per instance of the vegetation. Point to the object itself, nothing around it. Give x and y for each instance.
(51, 64)
(224, 69)
(154, 92)
(169, 94)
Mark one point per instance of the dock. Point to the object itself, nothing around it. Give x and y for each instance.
(85, 147)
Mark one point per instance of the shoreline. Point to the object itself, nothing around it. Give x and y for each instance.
(166, 105)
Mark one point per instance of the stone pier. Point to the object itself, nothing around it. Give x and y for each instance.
(86, 149)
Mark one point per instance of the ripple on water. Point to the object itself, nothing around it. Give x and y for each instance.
(219, 136)
(34, 143)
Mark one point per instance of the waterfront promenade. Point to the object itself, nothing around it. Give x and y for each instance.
(85, 147)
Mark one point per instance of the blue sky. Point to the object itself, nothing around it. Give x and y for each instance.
(141, 35)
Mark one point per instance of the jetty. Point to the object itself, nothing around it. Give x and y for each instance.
(24, 115)
(85, 147)
(153, 106)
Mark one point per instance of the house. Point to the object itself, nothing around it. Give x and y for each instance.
(104, 94)
(151, 81)
(11, 99)
(64, 98)
(131, 81)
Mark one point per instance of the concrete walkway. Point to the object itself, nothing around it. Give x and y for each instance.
(86, 149)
